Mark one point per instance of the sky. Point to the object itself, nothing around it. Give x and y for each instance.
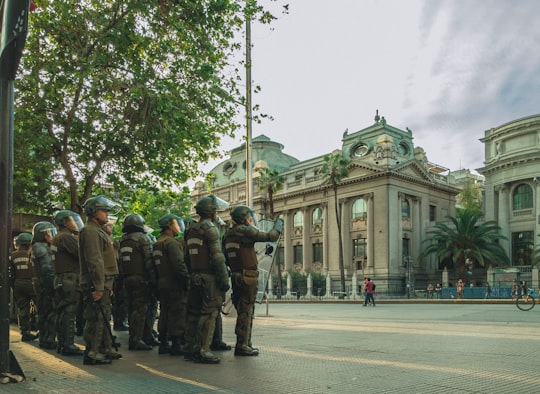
(447, 70)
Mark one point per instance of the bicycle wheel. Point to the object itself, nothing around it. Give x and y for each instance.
(525, 304)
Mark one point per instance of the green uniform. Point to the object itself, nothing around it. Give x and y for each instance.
(209, 279)
(65, 257)
(172, 283)
(98, 270)
(44, 287)
(137, 267)
(23, 290)
(239, 248)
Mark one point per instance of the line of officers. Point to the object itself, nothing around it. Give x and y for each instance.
(74, 267)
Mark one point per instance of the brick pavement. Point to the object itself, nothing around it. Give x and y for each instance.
(327, 347)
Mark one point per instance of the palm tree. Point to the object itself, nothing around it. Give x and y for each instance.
(270, 181)
(466, 239)
(334, 169)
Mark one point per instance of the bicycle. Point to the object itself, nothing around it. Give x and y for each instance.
(526, 302)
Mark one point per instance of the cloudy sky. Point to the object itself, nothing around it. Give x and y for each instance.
(448, 70)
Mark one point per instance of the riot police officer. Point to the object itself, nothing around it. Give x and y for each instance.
(98, 270)
(173, 281)
(43, 233)
(209, 279)
(137, 266)
(65, 258)
(241, 258)
(23, 290)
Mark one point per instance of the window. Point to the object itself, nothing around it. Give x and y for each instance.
(318, 252)
(523, 197)
(522, 246)
(405, 208)
(359, 210)
(359, 247)
(432, 213)
(317, 216)
(298, 254)
(298, 220)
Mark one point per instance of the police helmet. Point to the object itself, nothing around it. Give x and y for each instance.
(96, 203)
(133, 223)
(63, 217)
(41, 229)
(23, 239)
(166, 220)
(241, 213)
(210, 204)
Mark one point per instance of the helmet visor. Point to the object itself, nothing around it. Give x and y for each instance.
(221, 205)
(75, 223)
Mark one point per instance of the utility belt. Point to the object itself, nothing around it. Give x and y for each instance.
(250, 273)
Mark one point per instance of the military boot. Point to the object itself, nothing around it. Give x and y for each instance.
(68, 346)
(206, 357)
(94, 358)
(177, 348)
(245, 350)
(164, 346)
(28, 336)
(139, 345)
(71, 350)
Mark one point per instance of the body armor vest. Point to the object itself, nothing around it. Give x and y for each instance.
(62, 261)
(109, 259)
(131, 257)
(240, 255)
(161, 260)
(21, 261)
(197, 248)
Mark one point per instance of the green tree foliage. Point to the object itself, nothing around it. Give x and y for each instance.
(334, 169)
(126, 93)
(270, 181)
(470, 199)
(466, 239)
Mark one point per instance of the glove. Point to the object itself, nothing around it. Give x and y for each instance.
(278, 226)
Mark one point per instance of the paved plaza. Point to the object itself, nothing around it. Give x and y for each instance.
(456, 347)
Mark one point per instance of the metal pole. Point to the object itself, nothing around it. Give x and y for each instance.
(6, 176)
(249, 177)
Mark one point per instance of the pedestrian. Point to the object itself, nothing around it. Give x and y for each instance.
(172, 284)
(430, 291)
(137, 266)
(209, 279)
(240, 256)
(515, 290)
(98, 270)
(43, 281)
(459, 289)
(438, 290)
(65, 257)
(369, 289)
(23, 290)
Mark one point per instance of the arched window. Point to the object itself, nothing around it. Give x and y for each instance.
(405, 208)
(317, 216)
(298, 220)
(359, 210)
(523, 197)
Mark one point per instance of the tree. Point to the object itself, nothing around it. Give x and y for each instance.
(470, 198)
(130, 93)
(271, 181)
(334, 169)
(466, 239)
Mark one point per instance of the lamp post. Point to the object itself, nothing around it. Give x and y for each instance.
(407, 262)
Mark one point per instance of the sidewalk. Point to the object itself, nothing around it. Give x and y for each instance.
(325, 347)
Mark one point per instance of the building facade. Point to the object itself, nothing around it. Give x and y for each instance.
(512, 186)
(389, 200)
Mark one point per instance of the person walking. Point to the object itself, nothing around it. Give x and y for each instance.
(98, 270)
(172, 284)
(137, 266)
(209, 280)
(43, 233)
(238, 243)
(23, 290)
(369, 289)
(65, 258)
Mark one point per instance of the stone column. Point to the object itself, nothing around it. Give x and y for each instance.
(346, 235)
(326, 246)
(307, 258)
(370, 247)
(354, 294)
(503, 218)
(328, 286)
(270, 286)
(289, 285)
(309, 287)
(287, 240)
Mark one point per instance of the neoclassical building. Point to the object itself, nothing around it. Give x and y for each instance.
(512, 185)
(390, 199)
